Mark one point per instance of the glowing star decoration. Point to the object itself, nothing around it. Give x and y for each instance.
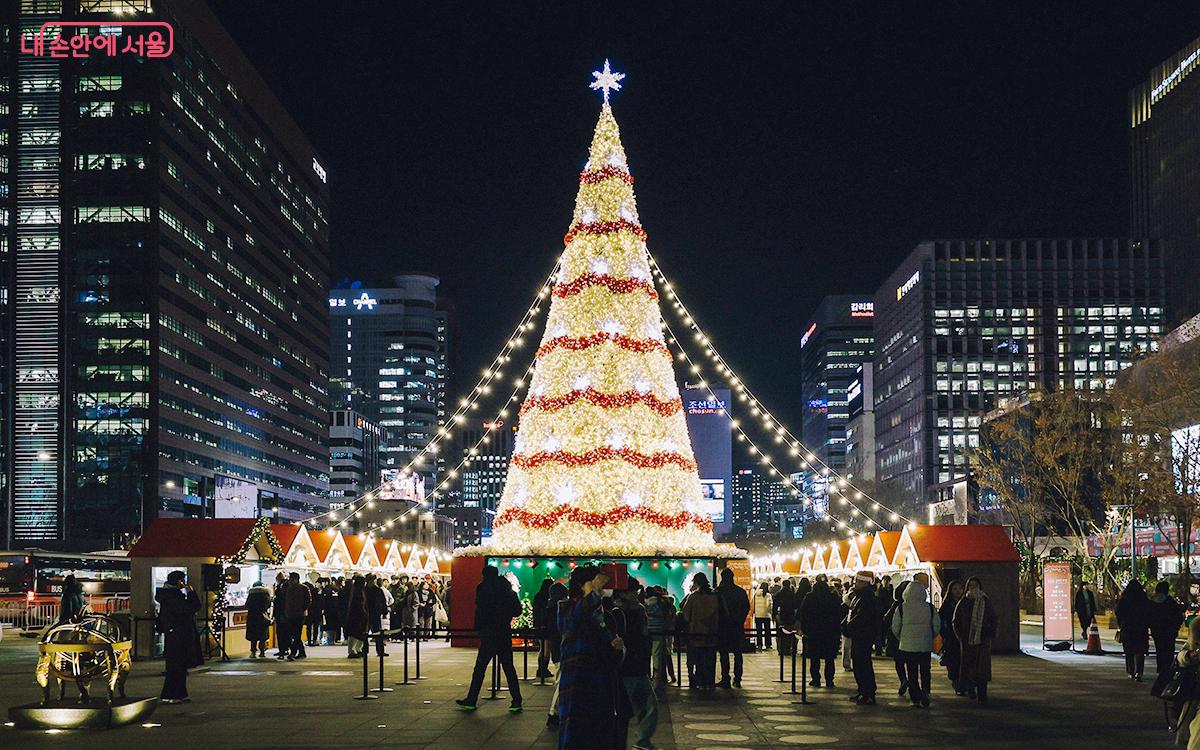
(606, 80)
(603, 463)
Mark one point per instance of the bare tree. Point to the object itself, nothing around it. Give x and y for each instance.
(1159, 403)
(1002, 466)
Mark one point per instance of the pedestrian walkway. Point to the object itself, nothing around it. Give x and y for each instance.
(264, 704)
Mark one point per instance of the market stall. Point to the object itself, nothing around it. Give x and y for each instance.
(945, 553)
(224, 557)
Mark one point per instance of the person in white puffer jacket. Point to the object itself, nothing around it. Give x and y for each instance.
(915, 624)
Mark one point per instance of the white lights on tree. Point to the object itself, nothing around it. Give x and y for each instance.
(622, 479)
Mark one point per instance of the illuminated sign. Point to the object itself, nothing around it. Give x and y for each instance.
(493, 425)
(712, 499)
(862, 309)
(808, 335)
(319, 169)
(909, 285)
(1180, 70)
(363, 299)
(710, 406)
(854, 391)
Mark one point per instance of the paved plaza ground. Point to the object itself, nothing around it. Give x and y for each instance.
(1038, 701)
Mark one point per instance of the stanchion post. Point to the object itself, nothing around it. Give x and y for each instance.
(795, 648)
(381, 688)
(404, 644)
(366, 692)
(418, 656)
(782, 634)
(678, 660)
(495, 678)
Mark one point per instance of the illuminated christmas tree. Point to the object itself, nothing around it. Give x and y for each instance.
(602, 461)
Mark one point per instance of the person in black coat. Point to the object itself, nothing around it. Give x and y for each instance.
(1133, 618)
(541, 623)
(883, 602)
(282, 644)
(862, 627)
(496, 604)
(177, 608)
(784, 606)
(1166, 617)
(354, 617)
(735, 608)
(377, 607)
(1085, 607)
(820, 622)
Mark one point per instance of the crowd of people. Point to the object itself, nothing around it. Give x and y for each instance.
(332, 611)
(863, 617)
(615, 649)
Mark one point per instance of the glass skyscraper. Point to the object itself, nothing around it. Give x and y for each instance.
(164, 258)
(1164, 110)
(837, 339)
(962, 323)
(390, 350)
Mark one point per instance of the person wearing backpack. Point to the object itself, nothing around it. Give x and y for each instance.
(915, 623)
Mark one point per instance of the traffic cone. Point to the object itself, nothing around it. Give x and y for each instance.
(1093, 641)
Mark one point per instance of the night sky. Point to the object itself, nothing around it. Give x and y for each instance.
(798, 150)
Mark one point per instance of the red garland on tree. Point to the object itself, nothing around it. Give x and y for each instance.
(603, 400)
(604, 227)
(604, 453)
(618, 514)
(579, 343)
(611, 283)
(600, 175)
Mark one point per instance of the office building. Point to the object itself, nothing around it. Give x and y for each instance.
(164, 239)
(962, 323)
(354, 456)
(837, 339)
(710, 428)
(468, 524)
(489, 448)
(756, 501)
(389, 355)
(1166, 185)
(860, 428)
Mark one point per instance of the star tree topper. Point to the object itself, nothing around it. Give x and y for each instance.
(607, 80)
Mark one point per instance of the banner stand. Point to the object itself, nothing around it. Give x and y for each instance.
(1058, 625)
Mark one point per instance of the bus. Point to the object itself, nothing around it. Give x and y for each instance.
(36, 574)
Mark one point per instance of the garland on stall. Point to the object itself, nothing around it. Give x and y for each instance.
(655, 460)
(603, 400)
(612, 516)
(261, 527)
(614, 284)
(604, 227)
(579, 343)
